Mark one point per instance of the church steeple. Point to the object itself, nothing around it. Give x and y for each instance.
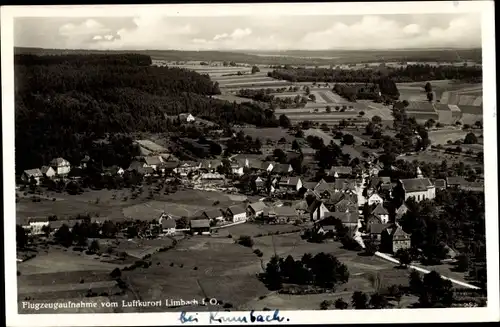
(419, 173)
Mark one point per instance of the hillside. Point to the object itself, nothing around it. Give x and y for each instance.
(62, 103)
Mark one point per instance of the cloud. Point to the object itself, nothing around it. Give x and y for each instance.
(375, 32)
(156, 31)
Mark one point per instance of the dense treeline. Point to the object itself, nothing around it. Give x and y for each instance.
(384, 90)
(60, 104)
(410, 73)
(264, 95)
(79, 60)
(292, 57)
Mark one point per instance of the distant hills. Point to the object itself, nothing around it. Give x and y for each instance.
(289, 57)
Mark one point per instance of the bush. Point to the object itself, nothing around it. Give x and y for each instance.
(195, 268)
(171, 264)
(230, 236)
(245, 241)
(116, 273)
(258, 253)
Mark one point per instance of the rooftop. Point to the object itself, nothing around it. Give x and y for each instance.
(416, 184)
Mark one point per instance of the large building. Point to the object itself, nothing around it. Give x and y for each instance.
(419, 188)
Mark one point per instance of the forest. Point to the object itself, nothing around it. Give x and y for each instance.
(62, 100)
(410, 73)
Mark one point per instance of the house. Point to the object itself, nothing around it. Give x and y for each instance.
(146, 171)
(36, 225)
(268, 166)
(212, 176)
(317, 210)
(394, 238)
(210, 165)
(338, 171)
(401, 211)
(169, 166)
(28, 174)
(236, 213)
(200, 226)
(417, 188)
(256, 209)
(381, 213)
(375, 231)
(213, 215)
(374, 199)
(309, 185)
(48, 171)
(348, 219)
(372, 219)
(115, 170)
(259, 182)
(84, 162)
(291, 183)
(457, 181)
(323, 187)
(167, 224)
(153, 161)
(440, 184)
(282, 169)
(237, 169)
(281, 214)
(61, 166)
(186, 167)
(346, 205)
(344, 185)
(186, 117)
(137, 166)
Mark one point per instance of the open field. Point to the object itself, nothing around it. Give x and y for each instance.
(273, 133)
(443, 136)
(231, 98)
(438, 157)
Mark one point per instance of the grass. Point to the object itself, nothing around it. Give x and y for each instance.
(273, 133)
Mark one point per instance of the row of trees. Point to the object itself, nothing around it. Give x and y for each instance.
(323, 270)
(281, 102)
(84, 99)
(408, 73)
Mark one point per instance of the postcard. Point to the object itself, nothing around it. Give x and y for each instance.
(233, 164)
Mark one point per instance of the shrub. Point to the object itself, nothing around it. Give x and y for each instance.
(230, 236)
(245, 241)
(171, 264)
(195, 268)
(116, 273)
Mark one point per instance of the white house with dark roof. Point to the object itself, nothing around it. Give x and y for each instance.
(186, 117)
(153, 161)
(236, 213)
(374, 199)
(338, 171)
(256, 209)
(61, 166)
(48, 171)
(317, 210)
(381, 213)
(293, 183)
(213, 214)
(401, 211)
(418, 188)
(268, 166)
(282, 168)
(28, 174)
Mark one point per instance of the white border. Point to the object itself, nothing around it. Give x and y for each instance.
(486, 8)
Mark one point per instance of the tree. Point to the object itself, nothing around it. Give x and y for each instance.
(429, 123)
(284, 121)
(245, 241)
(116, 273)
(46, 230)
(435, 291)
(415, 282)
(378, 301)
(132, 231)
(430, 96)
(308, 91)
(312, 97)
(21, 237)
(370, 128)
(109, 229)
(470, 138)
(361, 113)
(182, 223)
(376, 120)
(328, 109)
(348, 139)
(94, 247)
(359, 300)
(404, 257)
(295, 145)
(428, 87)
(273, 277)
(341, 304)
(64, 236)
(255, 69)
(324, 305)
(462, 263)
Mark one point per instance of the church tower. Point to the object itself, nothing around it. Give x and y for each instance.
(419, 173)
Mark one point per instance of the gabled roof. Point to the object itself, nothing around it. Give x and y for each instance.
(375, 181)
(345, 205)
(211, 164)
(335, 198)
(416, 184)
(200, 223)
(374, 220)
(282, 211)
(45, 169)
(457, 180)
(400, 234)
(266, 164)
(377, 228)
(153, 160)
(401, 210)
(314, 205)
(344, 217)
(169, 164)
(136, 165)
(309, 185)
(167, 223)
(379, 210)
(301, 205)
(440, 183)
(418, 106)
(59, 162)
(294, 180)
(213, 213)
(146, 170)
(341, 170)
(324, 186)
(237, 209)
(281, 168)
(257, 206)
(33, 172)
(113, 169)
(342, 184)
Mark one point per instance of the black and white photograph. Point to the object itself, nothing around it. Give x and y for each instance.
(249, 163)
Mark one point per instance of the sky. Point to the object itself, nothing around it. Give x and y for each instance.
(264, 32)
